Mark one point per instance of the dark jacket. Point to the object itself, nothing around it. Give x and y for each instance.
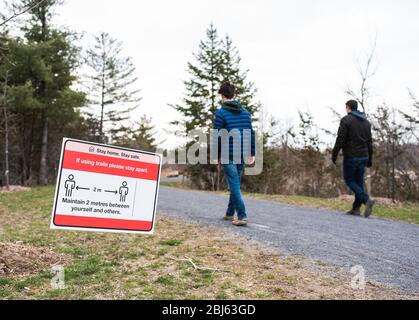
(235, 118)
(354, 137)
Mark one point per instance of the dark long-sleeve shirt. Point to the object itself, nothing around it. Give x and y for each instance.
(354, 137)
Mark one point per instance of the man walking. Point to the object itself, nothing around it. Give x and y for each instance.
(355, 138)
(239, 145)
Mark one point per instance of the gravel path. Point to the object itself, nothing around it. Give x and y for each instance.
(388, 250)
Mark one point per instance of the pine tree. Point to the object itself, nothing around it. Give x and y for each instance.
(217, 61)
(308, 132)
(141, 137)
(144, 137)
(200, 104)
(232, 73)
(112, 85)
(46, 63)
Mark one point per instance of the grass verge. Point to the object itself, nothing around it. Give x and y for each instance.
(182, 261)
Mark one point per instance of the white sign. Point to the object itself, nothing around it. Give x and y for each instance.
(105, 188)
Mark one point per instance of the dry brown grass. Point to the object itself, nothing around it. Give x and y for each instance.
(20, 260)
(182, 261)
(249, 270)
(14, 189)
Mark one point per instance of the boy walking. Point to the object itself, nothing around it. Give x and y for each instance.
(235, 120)
(355, 138)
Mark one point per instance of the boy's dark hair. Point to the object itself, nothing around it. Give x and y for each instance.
(352, 104)
(227, 90)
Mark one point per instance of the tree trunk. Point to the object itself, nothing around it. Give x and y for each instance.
(393, 172)
(6, 136)
(102, 105)
(43, 174)
(6, 148)
(31, 150)
(23, 176)
(101, 135)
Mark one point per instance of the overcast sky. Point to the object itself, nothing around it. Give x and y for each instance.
(302, 54)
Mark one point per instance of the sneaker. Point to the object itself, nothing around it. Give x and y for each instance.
(354, 212)
(240, 223)
(368, 210)
(228, 218)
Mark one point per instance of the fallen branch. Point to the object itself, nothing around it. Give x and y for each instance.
(196, 267)
(192, 263)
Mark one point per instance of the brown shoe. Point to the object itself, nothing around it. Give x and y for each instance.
(354, 212)
(228, 218)
(368, 210)
(240, 223)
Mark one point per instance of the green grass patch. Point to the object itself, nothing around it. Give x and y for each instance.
(408, 212)
(5, 281)
(121, 266)
(166, 280)
(170, 243)
(402, 211)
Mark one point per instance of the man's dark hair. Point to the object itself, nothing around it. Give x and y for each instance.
(352, 104)
(227, 90)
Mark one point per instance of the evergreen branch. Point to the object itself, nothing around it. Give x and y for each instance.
(17, 14)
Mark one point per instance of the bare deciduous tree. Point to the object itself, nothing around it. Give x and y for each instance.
(363, 94)
(366, 72)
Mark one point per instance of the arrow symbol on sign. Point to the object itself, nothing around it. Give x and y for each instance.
(111, 191)
(80, 188)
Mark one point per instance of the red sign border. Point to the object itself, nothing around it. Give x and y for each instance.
(102, 228)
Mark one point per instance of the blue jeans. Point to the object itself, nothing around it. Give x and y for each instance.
(354, 172)
(234, 173)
